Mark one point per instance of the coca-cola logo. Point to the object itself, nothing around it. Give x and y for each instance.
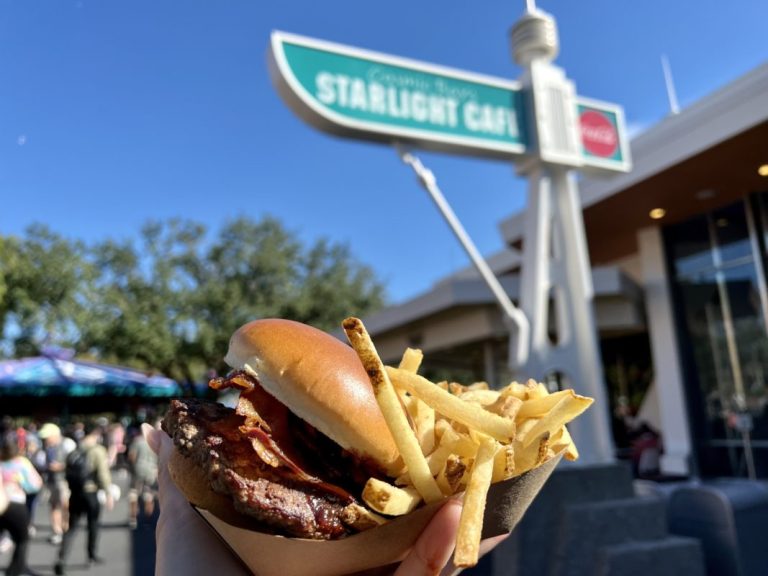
(598, 134)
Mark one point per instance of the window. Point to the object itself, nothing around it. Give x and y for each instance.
(719, 286)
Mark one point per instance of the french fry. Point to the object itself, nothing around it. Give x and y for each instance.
(524, 427)
(507, 406)
(390, 500)
(543, 450)
(411, 360)
(563, 412)
(360, 518)
(436, 461)
(456, 389)
(459, 389)
(480, 397)
(473, 511)
(527, 457)
(537, 407)
(450, 476)
(451, 443)
(563, 441)
(478, 386)
(442, 426)
(504, 463)
(535, 390)
(395, 417)
(514, 389)
(423, 416)
(453, 407)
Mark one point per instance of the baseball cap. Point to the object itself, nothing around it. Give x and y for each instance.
(47, 430)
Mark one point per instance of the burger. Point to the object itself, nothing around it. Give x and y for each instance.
(294, 454)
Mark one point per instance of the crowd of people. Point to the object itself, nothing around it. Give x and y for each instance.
(68, 468)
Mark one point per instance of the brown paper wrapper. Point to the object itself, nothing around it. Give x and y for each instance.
(269, 555)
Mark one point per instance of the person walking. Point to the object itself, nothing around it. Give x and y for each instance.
(15, 474)
(36, 456)
(86, 472)
(143, 464)
(58, 491)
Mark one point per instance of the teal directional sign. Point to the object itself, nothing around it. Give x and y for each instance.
(358, 93)
(367, 95)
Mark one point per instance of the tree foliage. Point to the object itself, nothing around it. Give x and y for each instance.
(170, 299)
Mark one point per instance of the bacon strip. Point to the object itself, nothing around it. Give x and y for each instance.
(266, 425)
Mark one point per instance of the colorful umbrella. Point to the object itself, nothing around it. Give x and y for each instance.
(49, 376)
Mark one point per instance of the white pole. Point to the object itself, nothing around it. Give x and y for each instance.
(674, 108)
(520, 327)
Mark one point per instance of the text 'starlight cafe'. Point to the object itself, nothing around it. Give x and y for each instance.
(423, 101)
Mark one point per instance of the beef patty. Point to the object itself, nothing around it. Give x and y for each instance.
(282, 501)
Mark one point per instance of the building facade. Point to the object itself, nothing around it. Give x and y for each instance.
(679, 249)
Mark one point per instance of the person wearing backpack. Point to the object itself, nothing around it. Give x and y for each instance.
(86, 472)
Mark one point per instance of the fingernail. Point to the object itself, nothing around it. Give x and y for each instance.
(150, 435)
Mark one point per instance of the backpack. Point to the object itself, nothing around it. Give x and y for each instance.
(77, 470)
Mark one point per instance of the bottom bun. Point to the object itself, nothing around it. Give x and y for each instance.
(191, 480)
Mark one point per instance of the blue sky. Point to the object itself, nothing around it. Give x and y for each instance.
(113, 112)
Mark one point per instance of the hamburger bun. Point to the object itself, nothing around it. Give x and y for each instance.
(321, 380)
(193, 482)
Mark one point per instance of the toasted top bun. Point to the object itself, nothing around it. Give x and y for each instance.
(321, 380)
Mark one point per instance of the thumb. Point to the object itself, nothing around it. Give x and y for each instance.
(433, 549)
(152, 437)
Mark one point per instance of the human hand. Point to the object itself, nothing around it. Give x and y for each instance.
(431, 555)
(185, 544)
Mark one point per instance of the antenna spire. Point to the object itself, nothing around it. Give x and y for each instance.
(530, 6)
(674, 108)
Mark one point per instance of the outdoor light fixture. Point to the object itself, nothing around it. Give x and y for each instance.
(657, 213)
(763, 170)
(706, 194)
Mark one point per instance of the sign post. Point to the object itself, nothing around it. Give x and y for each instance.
(556, 274)
(540, 124)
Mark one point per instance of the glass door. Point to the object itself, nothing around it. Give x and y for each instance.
(720, 292)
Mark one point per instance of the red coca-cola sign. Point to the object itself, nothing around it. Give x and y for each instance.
(598, 134)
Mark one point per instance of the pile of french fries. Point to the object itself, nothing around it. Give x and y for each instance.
(455, 438)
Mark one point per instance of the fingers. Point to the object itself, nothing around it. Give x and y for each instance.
(151, 437)
(485, 546)
(185, 543)
(432, 552)
(434, 547)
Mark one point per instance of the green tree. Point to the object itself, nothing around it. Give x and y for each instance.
(40, 298)
(170, 299)
(258, 269)
(332, 286)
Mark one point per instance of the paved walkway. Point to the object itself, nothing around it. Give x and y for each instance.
(127, 552)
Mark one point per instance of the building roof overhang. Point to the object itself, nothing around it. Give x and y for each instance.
(692, 162)
(455, 292)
